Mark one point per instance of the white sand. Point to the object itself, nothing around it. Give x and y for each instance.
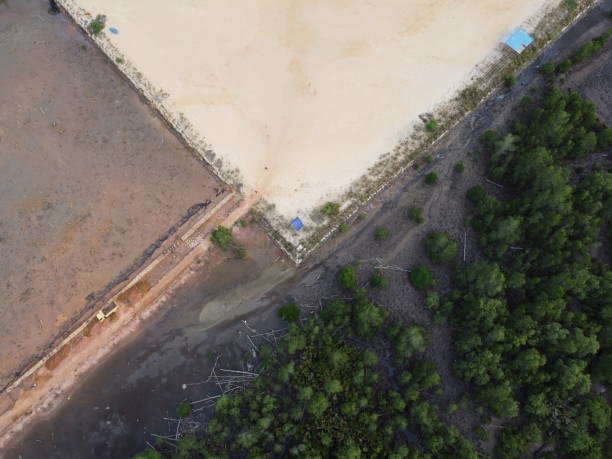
(314, 91)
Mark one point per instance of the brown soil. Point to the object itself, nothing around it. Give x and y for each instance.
(89, 178)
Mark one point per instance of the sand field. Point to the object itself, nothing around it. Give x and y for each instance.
(304, 96)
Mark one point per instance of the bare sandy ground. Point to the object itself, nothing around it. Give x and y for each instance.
(89, 178)
(304, 96)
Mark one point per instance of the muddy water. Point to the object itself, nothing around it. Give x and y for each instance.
(117, 407)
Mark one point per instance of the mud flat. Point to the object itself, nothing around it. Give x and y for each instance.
(306, 102)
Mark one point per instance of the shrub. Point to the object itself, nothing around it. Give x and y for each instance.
(509, 81)
(330, 208)
(421, 278)
(440, 248)
(378, 280)
(97, 25)
(547, 69)
(564, 66)
(347, 277)
(431, 178)
(428, 159)
(459, 167)
(221, 237)
(119, 60)
(343, 228)
(476, 193)
(381, 234)
(416, 166)
(241, 252)
(416, 214)
(431, 126)
(183, 410)
(289, 312)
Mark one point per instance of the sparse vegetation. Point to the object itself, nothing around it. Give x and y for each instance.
(97, 25)
(415, 213)
(431, 126)
(431, 178)
(509, 81)
(459, 167)
(330, 208)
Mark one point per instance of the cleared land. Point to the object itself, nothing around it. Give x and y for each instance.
(142, 383)
(303, 97)
(89, 178)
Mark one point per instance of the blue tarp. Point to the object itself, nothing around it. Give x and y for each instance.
(297, 224)
(518, 40)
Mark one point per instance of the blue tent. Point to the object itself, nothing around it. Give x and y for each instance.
(518, 40)
(297, 224)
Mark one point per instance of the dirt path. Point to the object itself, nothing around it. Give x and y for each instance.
(142, 382)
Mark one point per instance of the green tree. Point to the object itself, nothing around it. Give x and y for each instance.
(347, 277)
(416, 214)
(421, 278)
(431, 178)
(440, 248)
(289, 312)
(222, 238)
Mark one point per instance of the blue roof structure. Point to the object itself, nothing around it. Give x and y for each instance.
(518, 40)
(297, 224)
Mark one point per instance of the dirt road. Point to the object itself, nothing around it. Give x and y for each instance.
(119, 406)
